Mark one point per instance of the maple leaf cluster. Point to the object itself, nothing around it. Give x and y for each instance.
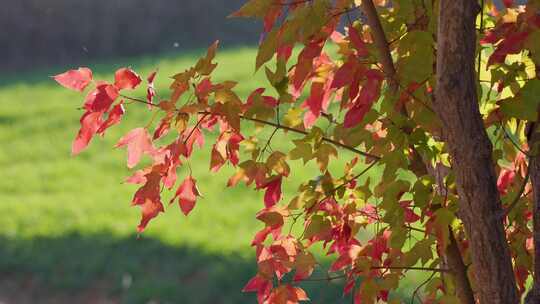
(333, 95)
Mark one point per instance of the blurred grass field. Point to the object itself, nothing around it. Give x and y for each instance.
(67, 231)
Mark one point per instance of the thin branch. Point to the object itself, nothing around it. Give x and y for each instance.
(295, 219)
(507, 135)
(346, 11)
(411, 95)
(138, 100)
(413, 268)
(195, 127)
(267, 145)
(329, 278)
(379, 38)
(518, 196)
(398, 38)
(282, 127)
(325, 139)
(344, 184)
(291, 3)
(337, 277)
(415, 293)
(481, 31)
(415, 229)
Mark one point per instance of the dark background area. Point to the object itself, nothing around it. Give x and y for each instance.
(40, 33)
(37, 33)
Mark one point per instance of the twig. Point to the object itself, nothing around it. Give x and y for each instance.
(519, 195)
(138, 100)
(330, 278)
(481, 31)
(415, 293)
(195, 127)
(379, 38)
(298, 131)
(507, 135)
(413, 268)
(267, 145)
(326, 139)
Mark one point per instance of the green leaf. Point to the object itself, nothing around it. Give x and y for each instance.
(301, 151)
(532, 45)
(253, 8)
(315, 17)
(422, 191)
(415, 57)
(306, 198)
(422, 251)
(393, 161)
(259, 109)
(205, 66)
(318, 225)
(398, 237)
(293, 117)
(267, 49)
(525, 105)
(277, 161)
(323, 154)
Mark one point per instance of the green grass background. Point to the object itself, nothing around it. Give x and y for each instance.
(66, 225)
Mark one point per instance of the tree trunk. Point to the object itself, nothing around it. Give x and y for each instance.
(533, 297)
(458, 270)
(452, 254)
(456, 104)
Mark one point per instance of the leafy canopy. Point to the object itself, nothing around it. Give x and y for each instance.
(339, 103)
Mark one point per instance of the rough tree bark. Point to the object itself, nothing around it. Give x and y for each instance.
(533, 297)
(452, 254)
(456, 104)
(533, 136)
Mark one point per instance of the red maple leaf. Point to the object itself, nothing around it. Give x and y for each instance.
(369, 93)
(149, 211)
(90, 123)
(76, 80)
(191, 136)
(187, 194)
(115, 115)
(512, 44)
(150, 91)
(304, 67)
(260, 285)
(357, 42)
(101, 98)
(125, 78)
(345, 74)
(273, 192)
(148, 197)
(505, 179)
(138, 143)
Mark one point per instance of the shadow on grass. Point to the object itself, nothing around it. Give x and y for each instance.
(129, 270)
